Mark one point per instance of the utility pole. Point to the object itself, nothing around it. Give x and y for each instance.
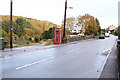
(65, 18)
(11, 46)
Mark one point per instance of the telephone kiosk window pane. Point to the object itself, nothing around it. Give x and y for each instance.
(56, 36)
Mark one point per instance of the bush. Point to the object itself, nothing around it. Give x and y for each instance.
(37, 38)
(49, 34)
(3, 33)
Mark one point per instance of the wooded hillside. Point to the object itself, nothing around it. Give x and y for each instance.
(25, 27)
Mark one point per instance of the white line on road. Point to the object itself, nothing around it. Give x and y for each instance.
(33, 63)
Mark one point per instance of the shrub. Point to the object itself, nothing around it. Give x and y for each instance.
(37, 38)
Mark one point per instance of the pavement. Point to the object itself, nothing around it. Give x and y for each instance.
(18, 50)
(110, 69)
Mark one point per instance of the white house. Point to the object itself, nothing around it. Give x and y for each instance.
(76, 28)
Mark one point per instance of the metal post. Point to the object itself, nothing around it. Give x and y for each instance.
(65, 19)
(119, 32)
(11, 46)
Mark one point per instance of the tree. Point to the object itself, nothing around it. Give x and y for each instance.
(37, 38)
(29, 32)
(5, 26)
(18, 30)
(51, 31)
(20, 21)
(90, 26)
(48, 34)
(21, 24)
(98, 24)
(3, 33)
(88, 30)
(28, 25)
(102, 31)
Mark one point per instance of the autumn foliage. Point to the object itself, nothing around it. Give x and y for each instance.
(91, 26)
(88, 24)
(24, 27)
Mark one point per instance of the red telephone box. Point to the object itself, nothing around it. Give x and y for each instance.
(57, 36)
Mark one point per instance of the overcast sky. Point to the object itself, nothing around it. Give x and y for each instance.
(53, 10)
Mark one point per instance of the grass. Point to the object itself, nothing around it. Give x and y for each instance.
(45, 42)
(21, 45)
(48, 42)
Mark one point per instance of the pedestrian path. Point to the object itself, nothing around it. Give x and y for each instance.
(111, 67)
(13, 51)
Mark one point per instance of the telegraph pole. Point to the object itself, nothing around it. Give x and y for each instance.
(11, 2)
(65, 19)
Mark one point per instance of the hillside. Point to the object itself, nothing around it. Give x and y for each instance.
(24, 29)
(39, 25)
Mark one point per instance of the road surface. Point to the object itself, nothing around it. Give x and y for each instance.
(83, 59)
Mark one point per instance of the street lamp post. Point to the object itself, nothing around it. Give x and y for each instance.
(65, 18)
(11, 2)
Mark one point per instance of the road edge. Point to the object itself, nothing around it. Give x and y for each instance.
(105, 62)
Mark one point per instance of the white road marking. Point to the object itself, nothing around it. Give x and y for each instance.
(33, 63)
(72, 50)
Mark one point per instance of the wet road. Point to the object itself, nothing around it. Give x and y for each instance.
(84, 59)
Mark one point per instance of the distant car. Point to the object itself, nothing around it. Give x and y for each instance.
(101, 36)
(107, 35)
